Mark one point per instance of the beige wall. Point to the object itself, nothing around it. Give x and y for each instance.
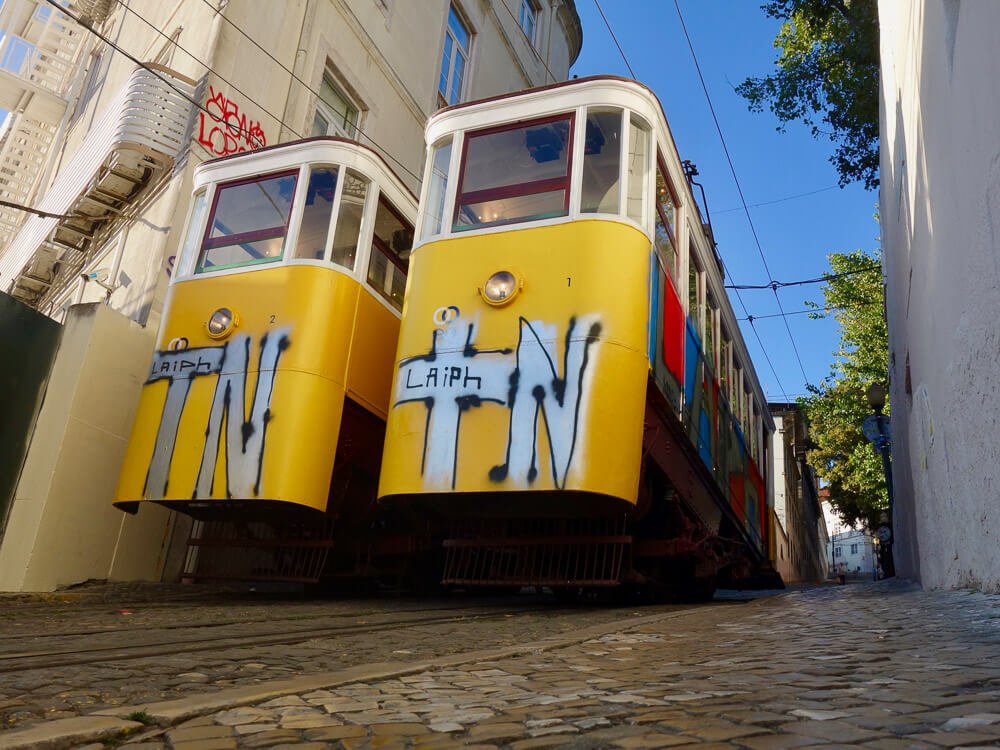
(62, 528)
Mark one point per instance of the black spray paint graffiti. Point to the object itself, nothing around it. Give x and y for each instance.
(455, 376)
(244, 435)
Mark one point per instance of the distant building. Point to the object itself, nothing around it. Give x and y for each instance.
(939, 209)
(856, 550)
(800, 529)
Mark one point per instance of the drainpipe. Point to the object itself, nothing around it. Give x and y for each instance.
(308, 17)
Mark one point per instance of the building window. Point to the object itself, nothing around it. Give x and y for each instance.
(838, 552)
(335, 113)
(854, 549)
(515, 173)
(454, 60)
(528, 19)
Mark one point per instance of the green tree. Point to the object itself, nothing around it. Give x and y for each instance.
(827, 77)
(842, 456)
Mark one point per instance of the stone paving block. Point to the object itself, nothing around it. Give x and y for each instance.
(537, 743)
(270, 738)
(215, 743)
(332, 734)
(831, 731)
(198, 732)
(778, 741)
(954, 739)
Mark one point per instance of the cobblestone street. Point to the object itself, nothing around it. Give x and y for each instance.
(874, 665)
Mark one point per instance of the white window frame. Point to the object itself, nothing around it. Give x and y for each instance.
(456, 49)
(529, 10)
(328, 113)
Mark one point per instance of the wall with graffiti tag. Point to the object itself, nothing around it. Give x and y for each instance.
(224, 128)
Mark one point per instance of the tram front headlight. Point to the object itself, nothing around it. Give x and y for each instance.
(221, 323)
(500, 287)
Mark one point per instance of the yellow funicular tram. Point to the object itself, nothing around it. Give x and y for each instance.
(573, 405)
(263, 413)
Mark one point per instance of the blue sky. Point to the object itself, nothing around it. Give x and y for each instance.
(733, 39)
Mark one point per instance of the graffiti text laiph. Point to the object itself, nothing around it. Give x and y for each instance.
(244, 435)
(455, 376)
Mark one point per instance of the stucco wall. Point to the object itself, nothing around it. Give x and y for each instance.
(62, 527)
(940, 214)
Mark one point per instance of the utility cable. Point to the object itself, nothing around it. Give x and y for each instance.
(778, 200)
(746, 312)
(180, 92)
(614, 38)
(739, 188)
(211, 70)
(311, 90)
(817, 310)
(531, 44)
(817, 280)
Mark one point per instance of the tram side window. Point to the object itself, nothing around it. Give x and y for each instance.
(725, 375)
(248, 222)
(696, 295)
(711, 341)
(391, 243)
(316, 214)
(515, 173)
(193, 233)
(601, 161)
(437, 187)
(352, 209)
(666, 221)
(638, 158)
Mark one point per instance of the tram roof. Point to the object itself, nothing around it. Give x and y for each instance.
(303, 142)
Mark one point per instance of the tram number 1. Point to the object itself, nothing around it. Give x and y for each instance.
(569, 281)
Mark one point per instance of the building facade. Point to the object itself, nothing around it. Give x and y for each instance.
(800, 527)
(112, 106)
(940, 225)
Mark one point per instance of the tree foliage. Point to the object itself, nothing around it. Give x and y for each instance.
(842, 456)
(827, 76)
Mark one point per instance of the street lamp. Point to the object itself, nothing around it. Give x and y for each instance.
(877, 429)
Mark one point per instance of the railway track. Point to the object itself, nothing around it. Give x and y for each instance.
(196, 640)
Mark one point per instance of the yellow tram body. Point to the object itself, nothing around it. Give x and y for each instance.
(568, 321)
(251, 416)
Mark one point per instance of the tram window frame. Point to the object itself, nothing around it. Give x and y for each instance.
(433, 219)
(190, 249)
(209, 243)
(590, 161)
(711, 341)
(660, 216)
(379, 246)
(636, 167)
(563, 183)
(696, 274)
(331, 214)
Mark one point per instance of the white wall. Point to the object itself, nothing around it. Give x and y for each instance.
(940, 214)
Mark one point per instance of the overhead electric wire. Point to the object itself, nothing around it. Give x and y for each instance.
(778, 200)
(311, 90)
(211, 70)
(531, 44)
(753, 328)
(817, 310)
(817, 280)
(183, 94)
(614, 38)
(739, 188)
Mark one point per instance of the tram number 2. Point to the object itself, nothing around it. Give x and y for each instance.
(273, 319)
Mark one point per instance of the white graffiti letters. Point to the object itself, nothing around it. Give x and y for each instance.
(455, 376)
(244, 436)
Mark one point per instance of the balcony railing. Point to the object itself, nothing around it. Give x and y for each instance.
(47, 63)
(134, 142)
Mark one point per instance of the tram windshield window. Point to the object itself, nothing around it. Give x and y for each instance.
(601, 161)
(248, 222)
(391, 243)
(666, 222)
(638, 158)
(352, 209)
(436, 188)
(316, 214)
(515, 173)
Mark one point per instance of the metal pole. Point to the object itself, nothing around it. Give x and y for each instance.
(883, 448)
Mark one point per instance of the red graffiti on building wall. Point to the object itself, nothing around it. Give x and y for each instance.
(223, 129)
